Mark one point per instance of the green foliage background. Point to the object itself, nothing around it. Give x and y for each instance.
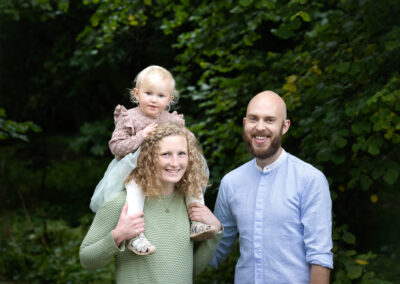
(64, 65)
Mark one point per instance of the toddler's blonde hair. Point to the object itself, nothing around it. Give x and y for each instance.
(158, 71)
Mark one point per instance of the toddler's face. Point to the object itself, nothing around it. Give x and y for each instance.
(153, 95)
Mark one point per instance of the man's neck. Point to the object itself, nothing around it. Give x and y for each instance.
(265, 162)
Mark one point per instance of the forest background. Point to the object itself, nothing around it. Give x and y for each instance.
(65, 65)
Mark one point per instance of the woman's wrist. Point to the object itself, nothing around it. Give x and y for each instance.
(117, 237)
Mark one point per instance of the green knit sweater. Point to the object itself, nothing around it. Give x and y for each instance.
(175, 261)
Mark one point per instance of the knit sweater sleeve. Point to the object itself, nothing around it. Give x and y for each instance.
(126, 138)
(204, 252)
(177, 118)
(98, 247)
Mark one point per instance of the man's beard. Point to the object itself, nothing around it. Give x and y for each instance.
(265, 153)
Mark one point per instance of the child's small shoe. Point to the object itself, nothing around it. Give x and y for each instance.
(200, 231)
(140, 245)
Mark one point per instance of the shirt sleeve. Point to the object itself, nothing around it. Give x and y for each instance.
(316, 217)
(223, 213)
(205, 252)
(98, 247)
(125, 138)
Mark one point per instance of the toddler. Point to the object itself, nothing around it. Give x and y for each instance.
(154, 93)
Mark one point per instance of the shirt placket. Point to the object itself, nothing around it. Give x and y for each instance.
(258, 229)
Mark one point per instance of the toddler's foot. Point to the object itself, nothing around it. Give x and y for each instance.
(140, 245)
(200, 231)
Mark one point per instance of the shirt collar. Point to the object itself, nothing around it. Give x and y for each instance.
(275, 164)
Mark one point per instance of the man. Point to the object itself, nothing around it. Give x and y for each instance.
(279, 206)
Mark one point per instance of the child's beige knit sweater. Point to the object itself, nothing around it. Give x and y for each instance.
(129, 124)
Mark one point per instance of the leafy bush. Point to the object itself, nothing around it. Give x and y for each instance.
(37, 250)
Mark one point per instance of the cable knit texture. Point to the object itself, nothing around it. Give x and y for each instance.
(175, 261)
(129, 125)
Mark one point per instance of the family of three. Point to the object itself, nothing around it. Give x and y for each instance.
(150, 212)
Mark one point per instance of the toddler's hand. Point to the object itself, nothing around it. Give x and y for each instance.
(148, 129)
(201, 213)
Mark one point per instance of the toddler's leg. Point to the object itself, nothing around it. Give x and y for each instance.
(198, 230)
(135, 198)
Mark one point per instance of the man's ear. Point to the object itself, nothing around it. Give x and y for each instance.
(286, 125)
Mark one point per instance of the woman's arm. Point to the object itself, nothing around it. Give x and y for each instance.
(99, 247)
(206, 249)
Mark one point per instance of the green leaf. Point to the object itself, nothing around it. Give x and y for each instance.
(373, 149)
(349, 238)
(304, 15)
(353, 270)
(365, 181)
(341, 142)
(391, 175)
(283, 32)
(245, 3)
(360, 127)
(343, 67)
(391, 45)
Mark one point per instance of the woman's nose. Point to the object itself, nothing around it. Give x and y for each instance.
(174, 160)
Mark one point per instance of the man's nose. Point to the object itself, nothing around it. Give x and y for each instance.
(260, 125)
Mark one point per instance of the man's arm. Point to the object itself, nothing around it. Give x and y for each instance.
(223, 213)
(319, 274)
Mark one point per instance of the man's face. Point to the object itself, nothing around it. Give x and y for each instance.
(264, 126)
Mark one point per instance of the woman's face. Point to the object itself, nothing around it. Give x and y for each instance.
(172, 159)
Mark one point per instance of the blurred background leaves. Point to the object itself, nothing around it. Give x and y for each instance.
(65, 65)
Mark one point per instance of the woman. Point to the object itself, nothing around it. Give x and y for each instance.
(169, 167)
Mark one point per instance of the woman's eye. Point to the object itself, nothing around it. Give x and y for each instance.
(182, 154)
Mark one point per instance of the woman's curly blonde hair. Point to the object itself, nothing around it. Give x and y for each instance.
(145, 175)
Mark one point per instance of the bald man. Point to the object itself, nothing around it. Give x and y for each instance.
(278, 205)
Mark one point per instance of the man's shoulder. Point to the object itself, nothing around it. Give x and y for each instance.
(303, 167)
(239, 171)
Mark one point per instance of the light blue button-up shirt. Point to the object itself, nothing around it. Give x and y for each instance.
(282, 214)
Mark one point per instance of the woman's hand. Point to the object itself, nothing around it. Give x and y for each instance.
(201, 213)
(128, 227)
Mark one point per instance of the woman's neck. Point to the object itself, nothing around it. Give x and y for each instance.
(168, 189)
